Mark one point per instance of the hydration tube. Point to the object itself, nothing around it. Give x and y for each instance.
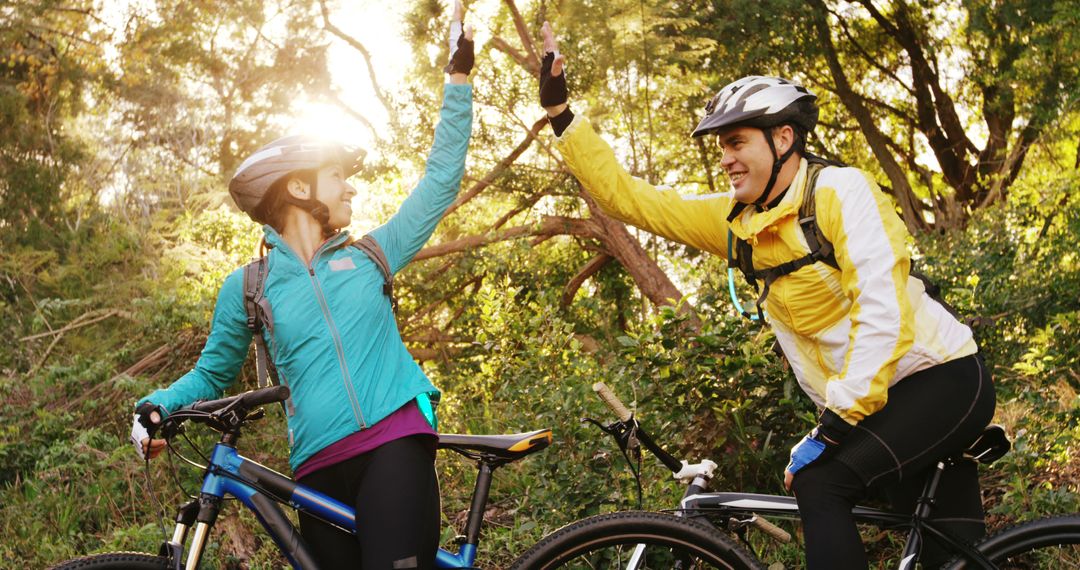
(731, 282)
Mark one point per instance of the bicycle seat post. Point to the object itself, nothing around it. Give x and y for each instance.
(922, 512)
(485, 468)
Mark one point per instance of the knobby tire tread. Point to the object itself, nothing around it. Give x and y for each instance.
(1011, 540)
(116, 561)
(1021, 538)
(632, 524)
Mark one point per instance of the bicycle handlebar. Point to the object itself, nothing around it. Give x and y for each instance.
(224, 414)
(613, 402)
(643, 436)
(247, 400)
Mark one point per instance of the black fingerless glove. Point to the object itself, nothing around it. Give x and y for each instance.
(143, 413)
(552, 89)
(461, 61)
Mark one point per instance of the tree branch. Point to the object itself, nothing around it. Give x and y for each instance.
(874, 137)
(650, 279)
(526, 39)
(355, 44)
(529, 203)
(591, 268)
(548, 226)
(83, 320)
(443, 353)
(499, 168)
(522, 60)
(935, 110)
(866, 55)
(429, 308)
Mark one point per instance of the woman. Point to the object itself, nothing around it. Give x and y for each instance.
(897, 379)
(356, 432)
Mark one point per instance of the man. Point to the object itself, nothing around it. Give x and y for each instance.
(897, 378)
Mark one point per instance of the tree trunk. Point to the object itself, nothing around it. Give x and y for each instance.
(874, 137)
(650, 279)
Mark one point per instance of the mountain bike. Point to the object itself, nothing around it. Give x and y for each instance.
(709, 529)
(262, 490)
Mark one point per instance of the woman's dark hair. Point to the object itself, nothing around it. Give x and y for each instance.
(271, 209)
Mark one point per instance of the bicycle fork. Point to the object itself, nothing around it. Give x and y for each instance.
(698, 475)
(186, 516)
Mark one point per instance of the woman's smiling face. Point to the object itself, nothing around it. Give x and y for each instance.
(336, 193)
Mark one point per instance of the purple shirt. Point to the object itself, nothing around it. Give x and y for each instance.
(406, 421)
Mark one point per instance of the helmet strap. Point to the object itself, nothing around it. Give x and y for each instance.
(313, 206)
(778, 163)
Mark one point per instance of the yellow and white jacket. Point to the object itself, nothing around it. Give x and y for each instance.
(849, 334)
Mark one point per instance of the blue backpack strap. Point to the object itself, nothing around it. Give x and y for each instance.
(374, 251)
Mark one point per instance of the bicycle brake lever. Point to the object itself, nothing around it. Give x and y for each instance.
(618, 430)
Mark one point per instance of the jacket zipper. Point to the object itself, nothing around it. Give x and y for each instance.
(338, 346)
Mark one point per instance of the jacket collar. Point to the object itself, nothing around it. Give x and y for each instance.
(274, 240)
(752, 222)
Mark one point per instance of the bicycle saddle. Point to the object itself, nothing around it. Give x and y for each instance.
(990, 446)
(510, 447)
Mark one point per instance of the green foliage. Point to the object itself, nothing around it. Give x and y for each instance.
(44, 74)
(130, 222)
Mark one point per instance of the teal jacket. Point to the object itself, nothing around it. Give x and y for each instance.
(335, 341)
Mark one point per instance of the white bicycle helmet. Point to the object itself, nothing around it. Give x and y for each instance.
(282, 157)
(761, 102)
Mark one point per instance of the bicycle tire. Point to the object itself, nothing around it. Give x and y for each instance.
(1049, 543)
(116, 561)
(608, 541)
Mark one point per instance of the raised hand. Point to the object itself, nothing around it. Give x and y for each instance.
(553, 91)
(461, 46)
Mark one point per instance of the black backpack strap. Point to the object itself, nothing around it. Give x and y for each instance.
(373, 250)
(821, 249)
(260, 317)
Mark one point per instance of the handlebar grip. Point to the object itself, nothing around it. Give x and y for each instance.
(771, 529)
(612, 401)
(268, 395)
(249, 400)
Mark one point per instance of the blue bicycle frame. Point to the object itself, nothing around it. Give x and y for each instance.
(261, 489)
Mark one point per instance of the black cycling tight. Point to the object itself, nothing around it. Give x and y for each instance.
(395, 492)
(929, 415)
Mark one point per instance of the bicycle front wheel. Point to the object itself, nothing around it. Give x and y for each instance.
(1050, 543)
(116, 561)
(636, 541)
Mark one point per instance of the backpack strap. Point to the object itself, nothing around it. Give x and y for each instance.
(374, 251)
(821, 249)
(258, 317)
